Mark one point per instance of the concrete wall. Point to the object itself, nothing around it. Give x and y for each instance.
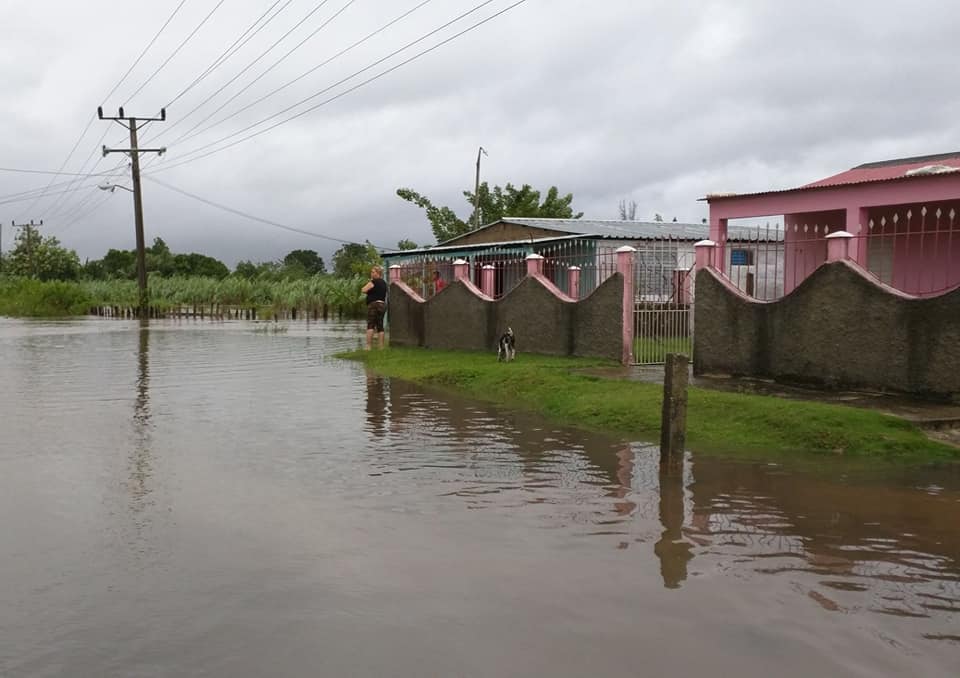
(543, 319)
(837, 328)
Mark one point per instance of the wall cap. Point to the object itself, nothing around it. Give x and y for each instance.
(486, 266)
(395, 266)
(573, 268)
(626, 248)
(839, 234)
(460, 262)
(705, 243)
(534, 256)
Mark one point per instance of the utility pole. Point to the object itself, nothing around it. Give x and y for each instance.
(31, 246)
(130, 122)
(476, 193)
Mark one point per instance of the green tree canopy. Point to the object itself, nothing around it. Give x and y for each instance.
(355, 259)
(493, 205)
(309, 260)
(43, 258)
(406, 244)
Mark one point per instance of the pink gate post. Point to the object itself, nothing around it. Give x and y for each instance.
(838, 243)
(487, 280)
(573, 282)
(625, 258)
(534, 264)
(461, 269)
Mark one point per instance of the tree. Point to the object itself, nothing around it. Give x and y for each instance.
(120, 264)
(443, 220)
(406, 244)
(42, 258)
(493, 205)
(199, 265)
(628, 210)
(310, 261)
(355, 259)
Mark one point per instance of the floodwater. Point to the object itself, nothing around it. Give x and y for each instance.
(202, 499)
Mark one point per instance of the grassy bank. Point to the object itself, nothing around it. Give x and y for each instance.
(716, 421)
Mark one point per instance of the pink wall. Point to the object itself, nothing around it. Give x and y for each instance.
(917, 265)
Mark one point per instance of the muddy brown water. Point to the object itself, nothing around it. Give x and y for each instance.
(203, 499)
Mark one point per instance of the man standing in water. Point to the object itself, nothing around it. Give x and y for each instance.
(376, 291)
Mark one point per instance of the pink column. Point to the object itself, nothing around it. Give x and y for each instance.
(838, 243)
(393, 274)
(461, 270)
(625, 258)
(704, 253)
(857, 219)
(534, 264)
(718, 234)
(487, 280)
(573, 282)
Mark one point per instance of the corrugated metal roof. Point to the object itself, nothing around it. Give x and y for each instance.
(886, 170)
(609, 228)
(612, 230)
(478, 246)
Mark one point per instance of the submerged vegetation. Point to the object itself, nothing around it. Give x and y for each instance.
(716, 421)
(315, 295)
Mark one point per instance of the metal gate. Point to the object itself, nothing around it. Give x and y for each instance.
(663, 300)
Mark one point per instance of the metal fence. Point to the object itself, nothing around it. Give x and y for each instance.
(915, 249)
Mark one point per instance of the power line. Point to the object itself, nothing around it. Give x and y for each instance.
(227, 53)
(252, 217)
(72, 212)
(335, 97)
(84, 215)
(30, 197)
(119, 82)
(248, 66)
(175, 52)
(20, 170)
(269, 68)
(303, 75)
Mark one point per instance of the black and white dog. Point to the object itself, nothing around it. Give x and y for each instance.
(506, 350)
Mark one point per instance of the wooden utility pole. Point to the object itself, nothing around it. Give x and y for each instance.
(130, 122)
(673, 425)
(476, 193)
(31, 251)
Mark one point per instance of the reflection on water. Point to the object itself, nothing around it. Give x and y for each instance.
(195, 499)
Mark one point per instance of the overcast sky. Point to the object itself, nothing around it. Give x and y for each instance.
(655, 102)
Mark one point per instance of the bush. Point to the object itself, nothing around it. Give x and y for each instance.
(34, 298)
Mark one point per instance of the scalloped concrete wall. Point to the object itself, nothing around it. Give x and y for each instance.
(839, 328)
(542, 320)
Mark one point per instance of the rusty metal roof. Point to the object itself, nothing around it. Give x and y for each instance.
(886, 170)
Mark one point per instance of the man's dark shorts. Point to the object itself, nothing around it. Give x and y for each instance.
(375, 311)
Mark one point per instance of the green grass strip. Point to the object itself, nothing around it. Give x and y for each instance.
(717, 421)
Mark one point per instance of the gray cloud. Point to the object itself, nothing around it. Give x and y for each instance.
(614, 99)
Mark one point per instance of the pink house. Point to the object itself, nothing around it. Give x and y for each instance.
(897, 219)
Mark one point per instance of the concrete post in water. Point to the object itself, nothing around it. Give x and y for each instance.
(625, 258)
(487, 280)
(673, 426)
(704, 253)
(573, 282)
(837, 244)
(534, 264)
(461, 270)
